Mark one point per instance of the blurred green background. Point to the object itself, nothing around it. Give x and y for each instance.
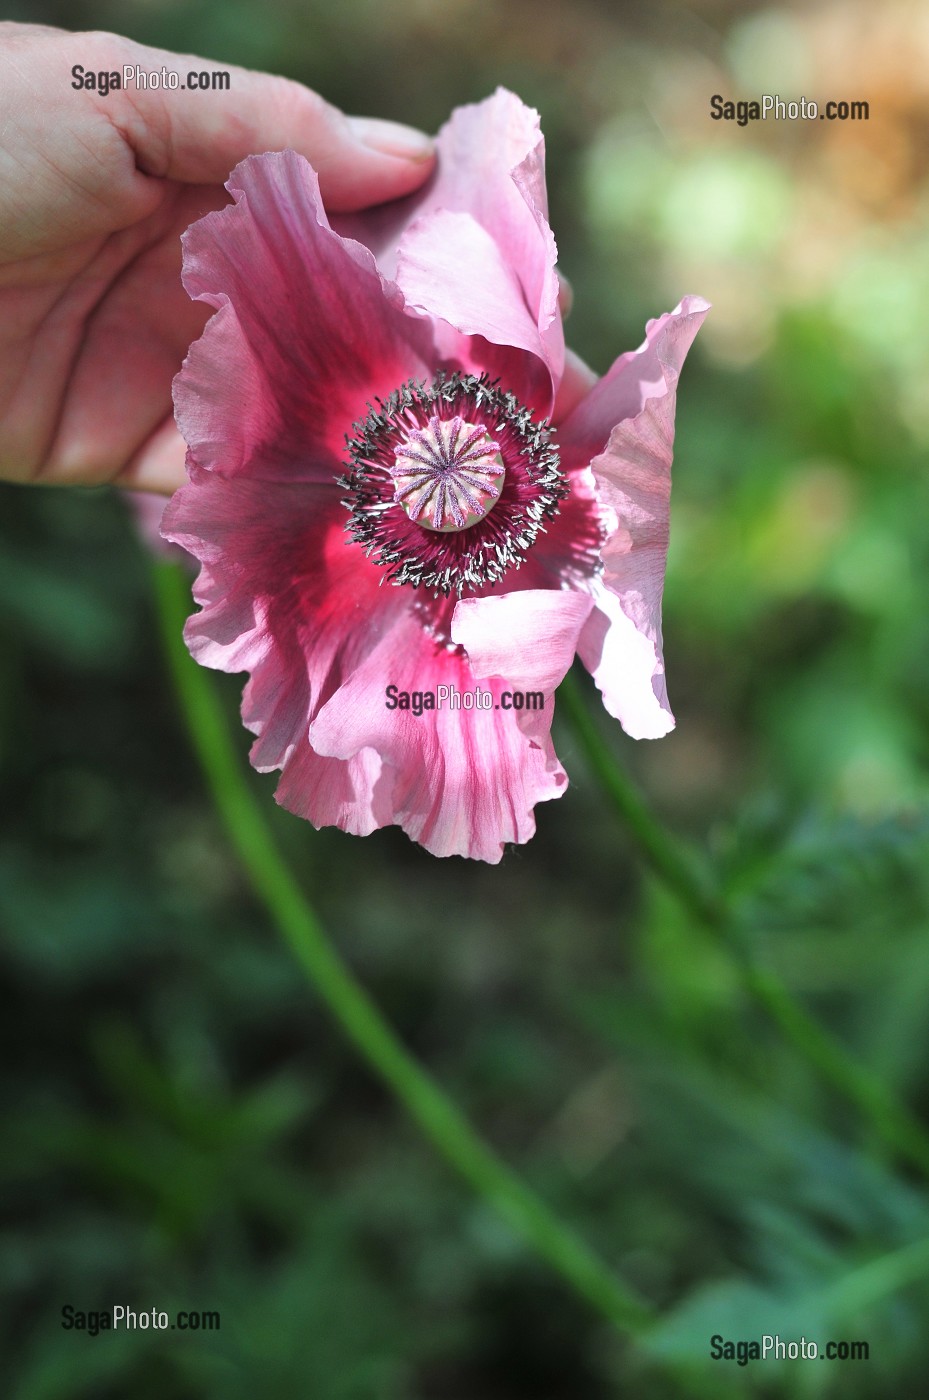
(185, 1128)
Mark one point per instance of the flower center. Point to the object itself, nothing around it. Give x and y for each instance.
(449, 485)
(448, 475)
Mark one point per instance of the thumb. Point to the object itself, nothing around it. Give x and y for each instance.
(197, 126)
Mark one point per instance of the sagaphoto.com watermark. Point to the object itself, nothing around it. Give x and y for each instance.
(95, 1321)
(106, 80)
(449, 697)
(773, 107)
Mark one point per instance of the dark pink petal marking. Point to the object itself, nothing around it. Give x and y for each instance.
(304, 335)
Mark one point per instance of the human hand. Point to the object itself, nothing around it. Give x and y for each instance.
(97, 190)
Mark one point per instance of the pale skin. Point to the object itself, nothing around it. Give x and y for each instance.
(94, 321)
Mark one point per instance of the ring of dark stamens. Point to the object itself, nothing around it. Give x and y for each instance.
(465, 560)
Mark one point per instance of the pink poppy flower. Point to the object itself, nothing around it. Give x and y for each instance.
(382, 509)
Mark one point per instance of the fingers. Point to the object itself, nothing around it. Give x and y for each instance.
(201, 118)
(158, 466)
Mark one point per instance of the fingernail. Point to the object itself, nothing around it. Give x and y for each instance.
(392, 138)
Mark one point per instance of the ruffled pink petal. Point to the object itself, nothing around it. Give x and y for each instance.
(450, 268)
(491, 165)
(355, 794)
(305, 336)
(465, 782)
(625, 429)
(527, 639)
(627, 666)
(286, 599)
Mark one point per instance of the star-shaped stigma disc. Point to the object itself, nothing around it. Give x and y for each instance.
(448, 475)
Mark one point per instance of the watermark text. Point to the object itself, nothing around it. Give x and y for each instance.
(774, 1348)
(122, 1318)
(417, 702)
(105, 81)
(774, 108)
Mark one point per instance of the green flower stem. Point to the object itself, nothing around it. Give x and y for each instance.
(439, 1119)
(677, 866)
(695, 886)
